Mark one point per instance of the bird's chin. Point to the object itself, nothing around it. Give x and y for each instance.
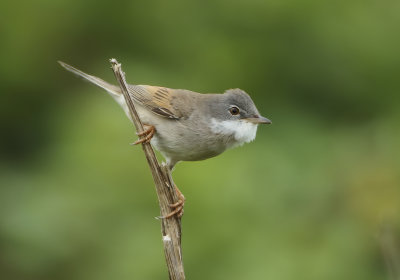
(237, 132)
(245, 132)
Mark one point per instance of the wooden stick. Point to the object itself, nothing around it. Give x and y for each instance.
(165, 188)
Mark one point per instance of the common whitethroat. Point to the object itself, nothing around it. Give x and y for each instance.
(185, 125)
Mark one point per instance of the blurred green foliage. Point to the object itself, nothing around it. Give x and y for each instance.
(307, 200)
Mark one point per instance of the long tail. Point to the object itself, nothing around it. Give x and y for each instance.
(114, 91)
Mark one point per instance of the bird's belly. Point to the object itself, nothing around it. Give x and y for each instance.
(183, 140)
(184, 143)
(185, 148)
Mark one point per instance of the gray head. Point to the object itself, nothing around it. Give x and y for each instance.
(235, 104)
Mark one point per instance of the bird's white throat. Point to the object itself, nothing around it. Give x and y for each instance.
(242, 131)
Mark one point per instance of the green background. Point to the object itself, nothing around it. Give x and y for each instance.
(316, 196)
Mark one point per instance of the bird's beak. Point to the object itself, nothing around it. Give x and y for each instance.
(258, 120)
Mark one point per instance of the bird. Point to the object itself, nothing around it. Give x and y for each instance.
(184, 125)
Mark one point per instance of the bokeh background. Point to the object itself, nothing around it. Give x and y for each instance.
(316, 196)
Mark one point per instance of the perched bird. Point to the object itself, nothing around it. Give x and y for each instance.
(185, 125)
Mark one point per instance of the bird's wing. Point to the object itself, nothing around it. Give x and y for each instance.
(165, 102)
(157, 99)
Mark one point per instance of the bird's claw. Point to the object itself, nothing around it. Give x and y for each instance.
(177, 206)
(148, 133)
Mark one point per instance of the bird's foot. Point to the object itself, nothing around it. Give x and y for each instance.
(177, 206)
(146, 135)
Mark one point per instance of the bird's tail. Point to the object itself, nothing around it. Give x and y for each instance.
(111, 89)
(114, 91)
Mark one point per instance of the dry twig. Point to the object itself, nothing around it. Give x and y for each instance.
(165, 187)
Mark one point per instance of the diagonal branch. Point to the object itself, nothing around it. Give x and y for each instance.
(165, 188)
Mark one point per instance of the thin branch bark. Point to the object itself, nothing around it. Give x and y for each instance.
(165, 187)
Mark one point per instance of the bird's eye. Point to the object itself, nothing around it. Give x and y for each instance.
(234, 110)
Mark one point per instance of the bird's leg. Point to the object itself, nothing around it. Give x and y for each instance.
(147, 133)
(177, 206)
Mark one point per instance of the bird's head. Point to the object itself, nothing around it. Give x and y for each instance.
(235, 114)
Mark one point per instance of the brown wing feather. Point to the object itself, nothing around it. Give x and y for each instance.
(157, 99)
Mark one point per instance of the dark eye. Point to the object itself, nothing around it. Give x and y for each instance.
(234, 110)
